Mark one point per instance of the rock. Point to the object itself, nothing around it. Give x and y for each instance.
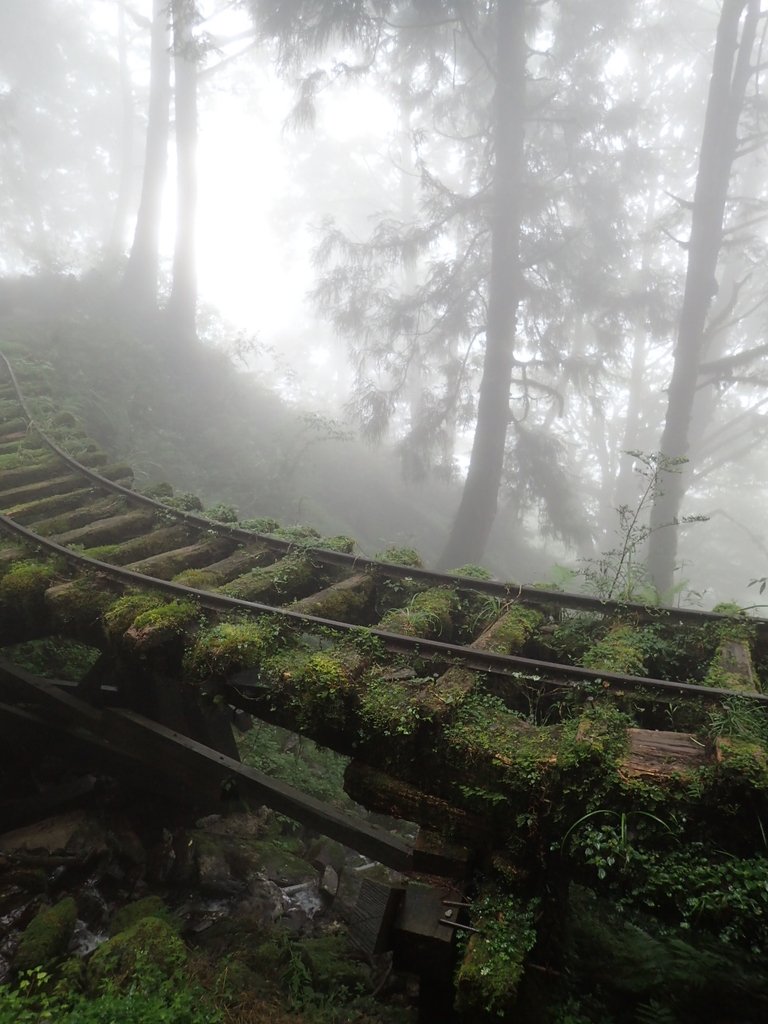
(149, 941)
(131, 913)
(47, 936)
(127, 845)
(329, 881)
(326, 852)
(51, 835)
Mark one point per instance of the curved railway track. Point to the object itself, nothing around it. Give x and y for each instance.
(25, 498)
(348, 636)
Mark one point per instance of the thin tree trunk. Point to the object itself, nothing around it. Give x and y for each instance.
(142, 271)
(182, 304)
(114, 246)
(625, 492)
(477, 510)
(730, 73)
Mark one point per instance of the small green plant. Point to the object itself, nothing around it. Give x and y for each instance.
(738, 718)
(619, 574)
(606, 842)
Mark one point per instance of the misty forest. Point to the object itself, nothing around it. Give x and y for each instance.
(440, 294)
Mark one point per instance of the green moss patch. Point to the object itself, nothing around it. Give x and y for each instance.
(121, 614)
(46, 937)
(318, 684)
(620, 650)
(400, 556)
(389, 707)
(512, 631)
(25, 581)
(129, 915)
(291, 576)
(487, 980)
(429, 614)
(173, 616)
(229, 647)
(82, 602)
(150, 943)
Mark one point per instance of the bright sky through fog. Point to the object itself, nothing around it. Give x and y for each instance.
(253, 266)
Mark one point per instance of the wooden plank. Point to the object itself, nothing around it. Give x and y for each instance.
(385, 794)
(373, 916)
(194, 766)
(208, 768)
(422, 912)
(660, 753)
(16, 684)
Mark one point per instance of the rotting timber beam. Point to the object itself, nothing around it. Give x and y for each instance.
(193, 771)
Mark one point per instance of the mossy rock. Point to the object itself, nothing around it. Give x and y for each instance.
(333, 964)
(131, 913)
(47, 936)
(235, 982)
(150, 943)
(69, 978)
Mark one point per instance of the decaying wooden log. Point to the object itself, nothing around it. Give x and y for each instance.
(659, 754)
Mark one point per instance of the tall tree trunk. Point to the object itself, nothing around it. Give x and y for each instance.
(625, 489)
(477, 509)
(114, 246)
(182, 304)
(730, 73)
(142, 271)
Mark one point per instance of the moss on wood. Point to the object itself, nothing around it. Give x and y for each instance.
(620, 650)
(229, 647)
(429, 614)
(350, 600)
(37, 509)
(25, 582)
(86, 513)
(122, 612)
(400, 556)
(139, 548)
(490, 973)
(79, 604)
(167, 564)
(292, 576)
(510, 633)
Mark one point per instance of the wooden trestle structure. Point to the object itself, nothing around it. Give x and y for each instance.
(419, 677)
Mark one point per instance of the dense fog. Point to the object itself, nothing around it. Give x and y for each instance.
(491, 276)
